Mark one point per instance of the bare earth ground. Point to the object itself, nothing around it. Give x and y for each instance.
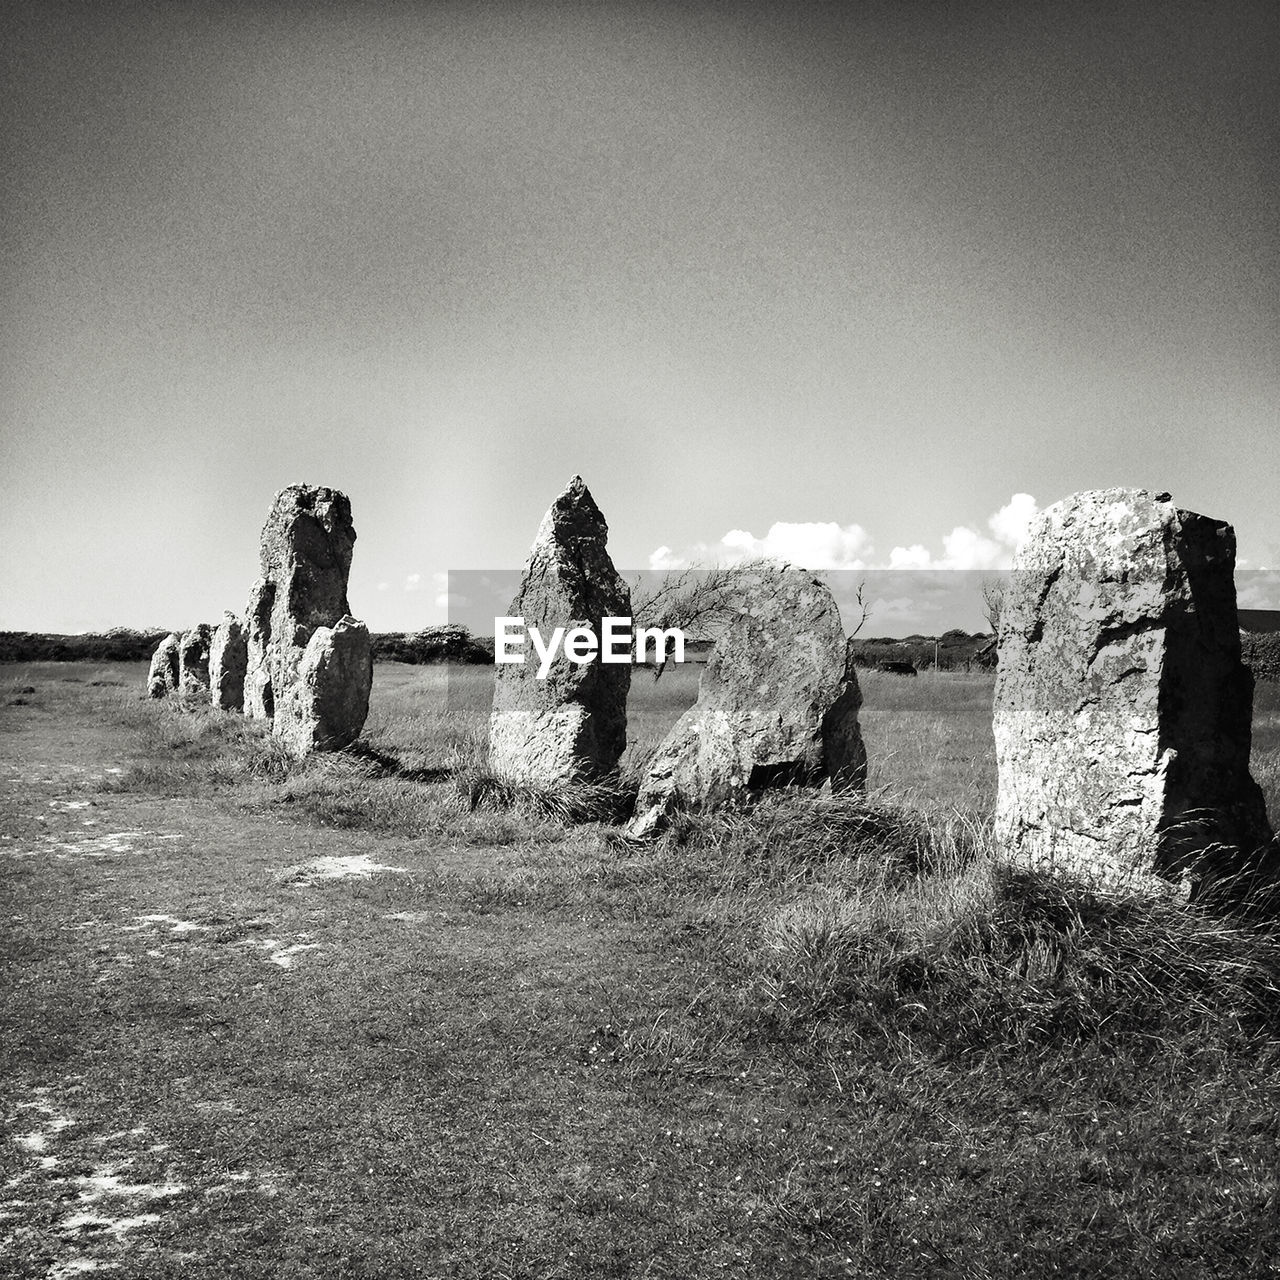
(243, 1035)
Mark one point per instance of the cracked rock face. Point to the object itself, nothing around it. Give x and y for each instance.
(228, 658)
(162, 678)
(325, 707)
(777, 705)
(572, 724)
(306, 550)
(193, 660)
(1122, 708)
(259, 698)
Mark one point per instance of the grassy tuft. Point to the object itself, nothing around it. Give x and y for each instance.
(610, 801)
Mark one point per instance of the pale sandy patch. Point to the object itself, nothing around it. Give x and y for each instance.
(175, 925)
(104, 1226)
(106, 1181)
(334, 867)
(72, 1267)
(279, 952)
(104, 845)
(54, 1122)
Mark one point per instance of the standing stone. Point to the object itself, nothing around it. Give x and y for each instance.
(259, 702)
(305, 559)
(1122, 707)
(193, 661)
(162, 679)
(325, 707)
(228, 656)
(777, 706)
(573, 723)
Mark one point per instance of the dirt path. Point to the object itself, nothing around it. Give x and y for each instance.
(211, 1013)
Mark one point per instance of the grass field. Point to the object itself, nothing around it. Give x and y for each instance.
(264, 1019)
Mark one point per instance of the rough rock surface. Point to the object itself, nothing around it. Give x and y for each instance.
(259, 701)
(777, 706)
(573, 723)
(193, 660)
(306, 549)
(1122, 707)
(325, 706)
(162, 679)
(228, 657)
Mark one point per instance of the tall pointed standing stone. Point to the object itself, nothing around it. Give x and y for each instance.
(1122, 708)
(572, 724)
(305, 558)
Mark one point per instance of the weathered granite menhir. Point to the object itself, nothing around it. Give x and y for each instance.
(1122, 707)
(193, 661)
(777, 705)
(162, 678)
(228, 658)
(572, 724)
(309, 664)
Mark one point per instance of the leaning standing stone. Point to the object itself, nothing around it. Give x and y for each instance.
(162, 679)
(777, 706)
(228, 655)
(327, 703)
(1122, 707)
(573, 723)
(193, 660)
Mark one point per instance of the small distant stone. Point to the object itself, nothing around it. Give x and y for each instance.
(193, 660)
(259, 700)
(162, 679)
(228, 660)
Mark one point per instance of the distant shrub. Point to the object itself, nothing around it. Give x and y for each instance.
(120, 644)
(1261, 654)
(448, 643)
(954, 650)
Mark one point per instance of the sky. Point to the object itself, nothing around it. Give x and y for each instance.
(860, 284)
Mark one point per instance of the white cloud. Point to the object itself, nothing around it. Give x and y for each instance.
(1009, 524)
(965, 548)
(1258, 589)
(444, 598)
(827, 545)
(912, 557)
(384, 586)
(811, 545)
(413, 582)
